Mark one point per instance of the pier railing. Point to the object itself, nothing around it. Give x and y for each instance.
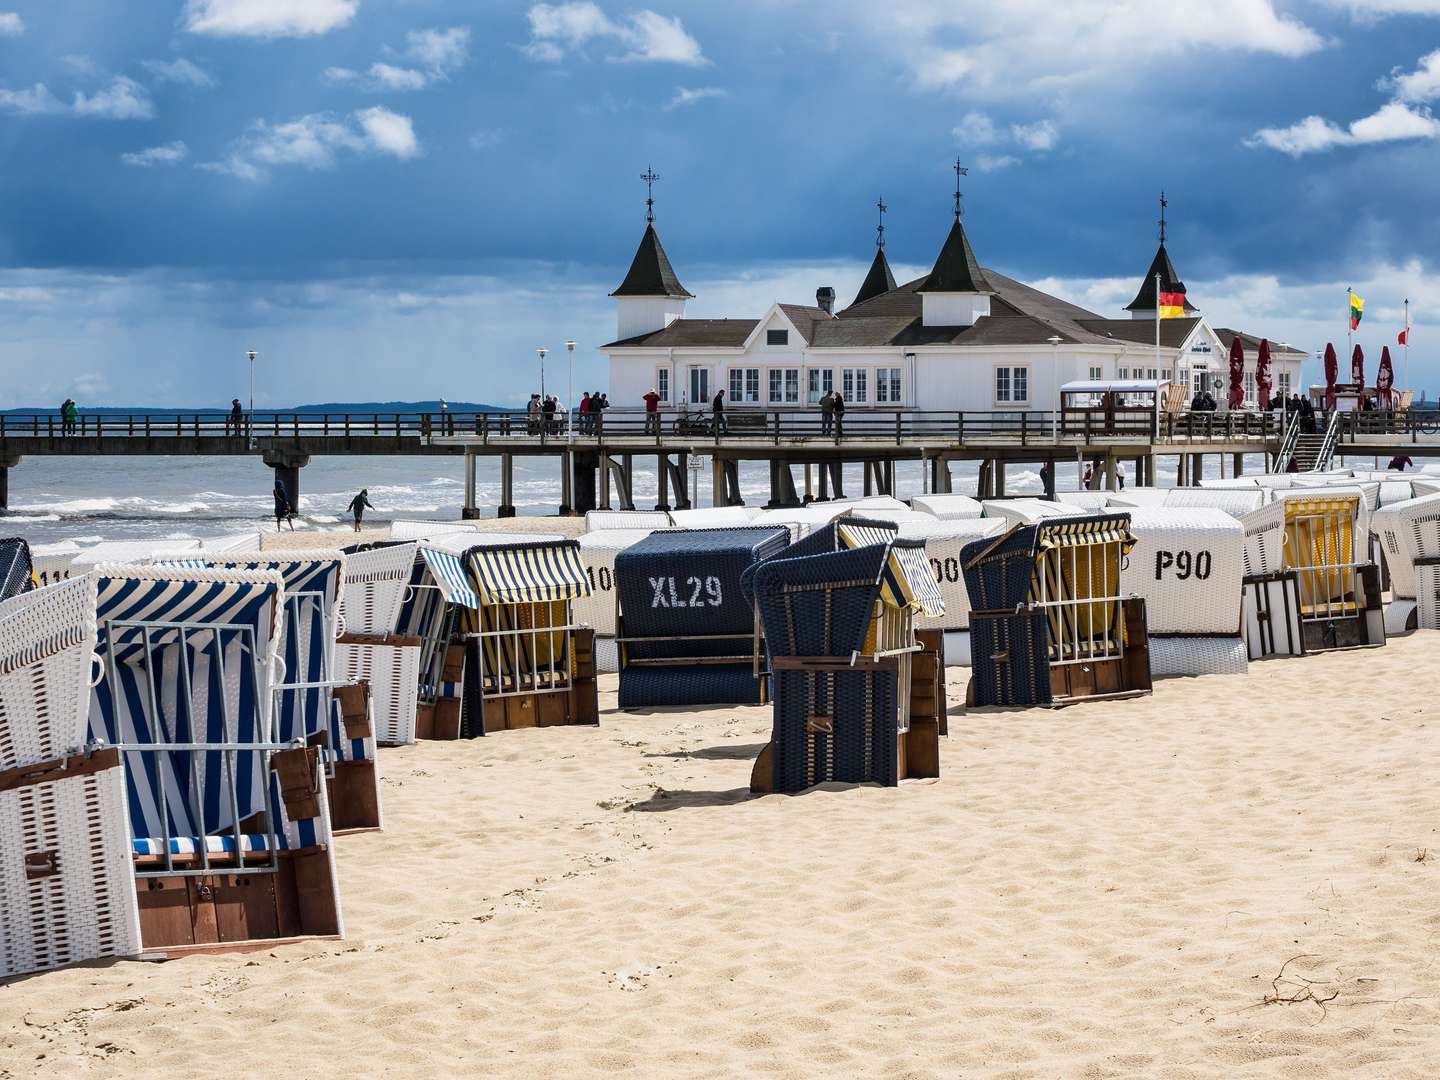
(892, 426)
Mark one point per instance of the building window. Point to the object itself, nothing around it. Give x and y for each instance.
(700, 385)
(887, 385)
(1096, 374)
(1285, 384)
(1154, 373)
(745, 385)
(662, 384)
(777, 337)
(1122, 373)
(854, 385)
(1249, 386)
(1202, 382)
(1012, 385)
(784, 386)
(821, 382)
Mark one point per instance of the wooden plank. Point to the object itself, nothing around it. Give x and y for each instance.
(922, 749)
(447, 719)
(205, 928)
(520, 712)
(552, 710)
(354, 801)
(584, 702)
(244, 906)
(164, 905)
(315, 892)
(62, 768)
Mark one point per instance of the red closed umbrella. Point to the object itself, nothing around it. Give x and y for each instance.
(1384, 380)
(1332, 370)
(1262, 373)
(1357, 368)
(1237, 375)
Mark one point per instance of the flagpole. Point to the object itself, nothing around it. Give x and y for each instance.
(1349, 330)
(1407, 343)
(1157, 326)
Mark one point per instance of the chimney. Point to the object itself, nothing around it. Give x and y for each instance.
(825, 299)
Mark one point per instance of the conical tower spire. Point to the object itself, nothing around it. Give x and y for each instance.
(879, 280)
(650, 271)
(1146, 302)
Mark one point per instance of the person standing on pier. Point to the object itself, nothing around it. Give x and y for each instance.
(283, 510)
(547, 408)
(837, 406)
(237, 418)
(717, 409)
(584, 411)
(827, 412)
(67, 416)
(652, 412)
(358, 506)
(532, 415)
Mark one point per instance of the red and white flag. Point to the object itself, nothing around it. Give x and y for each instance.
(1404, 336)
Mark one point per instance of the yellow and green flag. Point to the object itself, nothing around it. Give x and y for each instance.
(1357, 309)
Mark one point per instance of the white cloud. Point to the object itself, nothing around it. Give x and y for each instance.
(1021, 47)
(11, 25)
(390, 77)
(122, 99)
(431, 56)
(1039, 136)
(647, 36)
(1422, 84)
(315, 141)
(975, 129)
(1391, 123)
(25, 294)
(685, 95)
(180, 71)
(80, 64)
(171, 153)
(1373, 10)
(994, 162)
(31, 102)
(389, 132)
(267, 18)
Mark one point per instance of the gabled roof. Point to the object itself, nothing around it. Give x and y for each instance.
(1173, 332)
(1251, 344)
(878, 280)
(956, 270)
(804, 318)
(698, 333)
(650, 271)
(1145, 299)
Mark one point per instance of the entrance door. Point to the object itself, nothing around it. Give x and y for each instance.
(700, 386)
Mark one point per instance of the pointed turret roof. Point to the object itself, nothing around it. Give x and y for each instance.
(1145, 299)
(956, 270)
(650, 271)
(879, 280)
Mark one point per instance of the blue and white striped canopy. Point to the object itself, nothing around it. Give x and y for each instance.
(448, 571)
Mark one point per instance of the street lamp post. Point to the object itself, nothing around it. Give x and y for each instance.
(569, 389)
(250, 422)
(542, 353)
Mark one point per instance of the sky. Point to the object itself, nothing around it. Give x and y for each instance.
(403, 199)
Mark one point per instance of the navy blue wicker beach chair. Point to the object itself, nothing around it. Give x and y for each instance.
(686, 633)
(1049, 624)
(850, 702)
(17, 569)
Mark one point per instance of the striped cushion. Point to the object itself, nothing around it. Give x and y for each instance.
(214, 845)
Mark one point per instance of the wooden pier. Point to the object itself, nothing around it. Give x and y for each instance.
(596, 460)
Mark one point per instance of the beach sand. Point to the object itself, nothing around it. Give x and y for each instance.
(1236, 877)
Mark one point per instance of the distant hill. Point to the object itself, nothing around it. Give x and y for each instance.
(329, 407)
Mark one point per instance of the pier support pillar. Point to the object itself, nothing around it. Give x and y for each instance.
(824, 481)
(1238, 462)
(507, 486)
(782, 486)
(662, 488)
(718, 495)
(867, 470)
(837, 478)
(998, 478)
(7, 462)
(940, 481)
(603, 480)
(468, 509)
(287, 465)
(567, 483)
(582, 483)
(1197, 469)
(1112, 473)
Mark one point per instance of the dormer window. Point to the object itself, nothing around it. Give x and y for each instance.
(777, 337)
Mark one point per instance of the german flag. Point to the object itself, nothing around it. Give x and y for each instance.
(1172, 304)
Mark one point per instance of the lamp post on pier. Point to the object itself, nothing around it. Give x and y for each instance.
(250, 421)
(541, 416)
(569, 389)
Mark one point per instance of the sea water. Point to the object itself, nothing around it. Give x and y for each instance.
(86, 499)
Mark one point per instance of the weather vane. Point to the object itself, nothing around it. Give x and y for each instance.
(960, 171)
(649, 177)
(880, 228)
(1163, 204)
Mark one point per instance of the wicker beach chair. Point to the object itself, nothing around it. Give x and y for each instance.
(17, 568)
(598, 552)
(1026, 511)
(715, 517)
(51, 562)
(948, 507)
(1050, 623)
(857, 697)
(1309, 583)
(402, 529)
(687, 634)
(601, 520)
(1408, 535)
(1188, 563)
(156, 812)
(370, 649)
(1237, 502)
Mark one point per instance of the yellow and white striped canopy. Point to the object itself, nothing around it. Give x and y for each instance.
(529, 573)
(1076, 532)
(906, 580)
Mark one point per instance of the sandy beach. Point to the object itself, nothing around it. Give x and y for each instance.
(1215, 881)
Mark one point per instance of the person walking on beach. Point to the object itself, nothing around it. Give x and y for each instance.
(652, 412)
(237, 418)
(358, 505)
(283, 510)
(717, 410)
(1400, 462)
(827, 412)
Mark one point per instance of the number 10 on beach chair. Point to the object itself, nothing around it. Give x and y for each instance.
(1050, 624)
(857, 697)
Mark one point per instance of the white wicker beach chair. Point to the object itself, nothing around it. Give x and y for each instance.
(1084, 500)
(425, 530)
(1424, 486)
(1230, 482)
(1408, 534)
(1028, 511)
(714, 517)
(138, 552)
(52, 561)
(1237, 502)
(1188, 563)
(948, 507)
(601, 520)
(597, 552)
(219, 545)
(1138, 496)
